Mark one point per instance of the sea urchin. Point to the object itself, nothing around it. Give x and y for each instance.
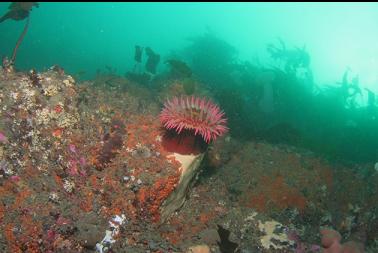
(189, 115)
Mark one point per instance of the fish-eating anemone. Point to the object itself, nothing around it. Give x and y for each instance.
(191, 124)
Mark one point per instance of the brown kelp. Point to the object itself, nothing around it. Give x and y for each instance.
(18, 11)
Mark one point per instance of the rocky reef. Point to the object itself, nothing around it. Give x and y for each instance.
(82, 169)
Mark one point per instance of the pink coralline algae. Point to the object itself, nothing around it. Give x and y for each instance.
(331, 242)
(72, 148)
(73, 170)
(15, 178)
(77, 163)
(3, 138)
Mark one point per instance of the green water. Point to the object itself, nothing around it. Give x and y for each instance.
(225, 45)
(87, 36)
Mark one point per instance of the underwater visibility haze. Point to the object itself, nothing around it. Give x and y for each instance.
(189, 127)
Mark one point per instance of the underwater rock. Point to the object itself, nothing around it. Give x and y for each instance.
(199, 249)
(210, 236)
(225, 245)
(189, 169)
(90, 230)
